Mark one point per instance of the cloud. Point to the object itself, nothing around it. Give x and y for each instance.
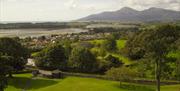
(14, 10)
(139, 4)
(71, 4)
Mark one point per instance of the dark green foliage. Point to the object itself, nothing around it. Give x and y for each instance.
(111, 30)
(52, 57)
(5, 68)
(168, 69)
(19, 54)
(113, 61)
(159, 40)
(82, 60)
(13, 57)
(133, 47)
(103, 66)
(115, 36)
(108, 62)
(67, 46)
(109, 45)
(11, 47)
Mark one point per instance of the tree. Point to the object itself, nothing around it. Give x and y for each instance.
(155, 43)
(115, 35)
(109, 44)
(66, 43)
(14, 49)
(4, 70)
(51, 58)
(178, 59)
(145, 67)
(82, 60)
(122, 74)
(158, 44)
(133, 47)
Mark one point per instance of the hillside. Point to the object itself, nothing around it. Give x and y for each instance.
(127, 14)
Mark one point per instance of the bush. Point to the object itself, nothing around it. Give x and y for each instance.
(113, 61)
(122, 74)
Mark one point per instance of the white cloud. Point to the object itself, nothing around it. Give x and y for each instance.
(71, 3)
(139, 4)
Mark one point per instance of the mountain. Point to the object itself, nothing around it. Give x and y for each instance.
(127, 14)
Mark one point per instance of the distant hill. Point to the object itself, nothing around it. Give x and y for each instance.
(127, 14)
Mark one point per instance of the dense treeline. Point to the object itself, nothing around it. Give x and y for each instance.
(75, 58)
(109, 30)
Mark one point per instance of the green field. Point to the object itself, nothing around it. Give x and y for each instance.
(97, 42)
(120, 44)
(24, 81)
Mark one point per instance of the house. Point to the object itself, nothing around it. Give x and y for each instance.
(31, 62)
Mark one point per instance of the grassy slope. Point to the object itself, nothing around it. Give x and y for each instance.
(74, 84)
(125, 60)
(97, 42)
(120, 45)
(171, 88)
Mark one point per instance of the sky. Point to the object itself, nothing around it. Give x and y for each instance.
(66, 10)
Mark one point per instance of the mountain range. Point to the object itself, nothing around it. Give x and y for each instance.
(127, 14)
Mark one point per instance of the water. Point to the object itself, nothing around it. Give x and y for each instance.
(36, 32)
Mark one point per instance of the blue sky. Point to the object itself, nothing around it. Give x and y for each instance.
(65, 10)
